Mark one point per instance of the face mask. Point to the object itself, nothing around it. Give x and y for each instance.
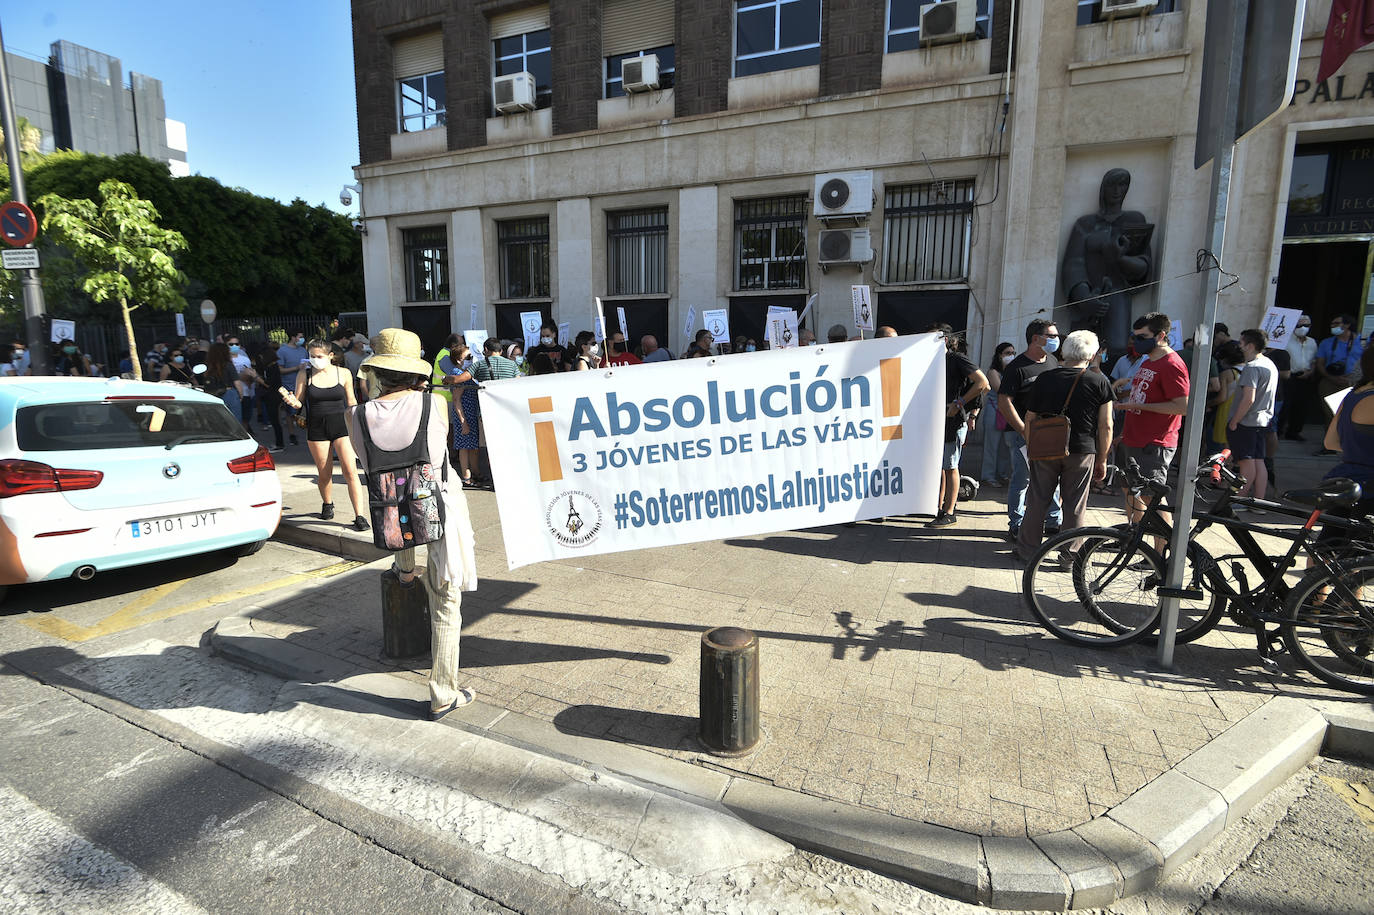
(1145, 345)
(1052, 344)
(546, 340)
(749, 348)
(1300, 330)
(319, 363)
(1006, 360)
(69, 350)
(367, 351)
(1337, 329)
(593, 350)
(178, 359)
(234, 348)
(300, 341)
(519, 360)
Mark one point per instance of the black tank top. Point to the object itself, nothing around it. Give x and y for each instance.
(326, 401)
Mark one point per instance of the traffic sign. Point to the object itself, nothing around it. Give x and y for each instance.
(18, 225)
(20, 258)
(207, 311)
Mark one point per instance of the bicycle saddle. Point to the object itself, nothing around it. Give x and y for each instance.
(1334, 493)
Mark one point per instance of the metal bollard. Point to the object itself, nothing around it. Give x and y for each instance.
(729, 700)
(405, 617)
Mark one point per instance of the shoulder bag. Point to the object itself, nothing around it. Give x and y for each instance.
(1047, 437)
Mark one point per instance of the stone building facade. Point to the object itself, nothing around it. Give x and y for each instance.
(973, 158)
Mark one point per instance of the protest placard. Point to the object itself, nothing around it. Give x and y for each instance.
(717, 321)
(1278, 323)
(781, 330)
(690, 325)
(587, 463)
(529, 323)
(624, 324)
(863, 307)
(63, 330)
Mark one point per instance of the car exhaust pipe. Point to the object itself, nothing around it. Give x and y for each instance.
(85, 573)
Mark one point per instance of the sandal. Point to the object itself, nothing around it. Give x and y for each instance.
(466, 696)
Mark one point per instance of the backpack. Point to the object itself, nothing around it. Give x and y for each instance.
(404, 491)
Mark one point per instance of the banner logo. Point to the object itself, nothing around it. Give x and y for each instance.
(573, 518)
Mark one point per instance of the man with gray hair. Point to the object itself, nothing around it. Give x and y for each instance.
(1086, 399)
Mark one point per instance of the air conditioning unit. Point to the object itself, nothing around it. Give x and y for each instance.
(640, 74)
(845, 246)
(1111, 9)
(951, 20)
(843, 194)
(513, 93)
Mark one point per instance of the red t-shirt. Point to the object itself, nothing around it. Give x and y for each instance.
(625, 359)
(1156, 381)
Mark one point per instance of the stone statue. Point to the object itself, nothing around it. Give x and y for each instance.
(1108, 253)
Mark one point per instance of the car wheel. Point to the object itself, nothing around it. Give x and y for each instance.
(248, 549)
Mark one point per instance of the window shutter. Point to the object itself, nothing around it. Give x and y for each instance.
(530, 19)
(418, 55)
(635, 25)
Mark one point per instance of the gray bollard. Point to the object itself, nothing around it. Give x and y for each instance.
(405, 617)
(729, 700)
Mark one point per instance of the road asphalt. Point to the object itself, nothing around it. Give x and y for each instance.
(916, 720)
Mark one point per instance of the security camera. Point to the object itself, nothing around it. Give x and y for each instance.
(359, 227)
(346, 197)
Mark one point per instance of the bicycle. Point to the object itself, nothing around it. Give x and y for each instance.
(1101, 586)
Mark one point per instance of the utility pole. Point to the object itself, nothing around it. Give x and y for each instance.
(33, 290)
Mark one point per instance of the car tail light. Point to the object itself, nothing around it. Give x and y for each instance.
(251, 463)
(19, 478)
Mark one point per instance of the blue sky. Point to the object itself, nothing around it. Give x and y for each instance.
(265, 89)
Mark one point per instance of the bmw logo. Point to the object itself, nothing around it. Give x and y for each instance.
(172, 471)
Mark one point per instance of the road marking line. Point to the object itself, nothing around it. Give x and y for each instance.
(1357, 795)
(136, 612)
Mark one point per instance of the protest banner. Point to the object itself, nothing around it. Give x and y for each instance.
(863, 307)
(63, 330)
(472, 317)
(1278, 323)
(475, 339)
(605, 461)
(717, 321)
(782, 331)
(624, 324)
(565, 333)
(690, 325)
(529, 323)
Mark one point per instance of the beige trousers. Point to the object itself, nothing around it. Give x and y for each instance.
(445, 625)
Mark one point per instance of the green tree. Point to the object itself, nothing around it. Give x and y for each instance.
(30, 138)
(127, 256)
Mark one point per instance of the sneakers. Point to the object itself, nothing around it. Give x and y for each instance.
(1012, 534)
(360, 523)
(944, 519)
(1051, 531)
(275, 449)
(327, 511)
(1323, 450)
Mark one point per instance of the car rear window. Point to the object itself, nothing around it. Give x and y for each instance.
(122, 424)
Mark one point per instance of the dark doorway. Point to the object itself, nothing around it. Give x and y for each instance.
(508, 320)
(913, 311)
(1323, 279)
(748, 315)
(430, 323)
(645, 316)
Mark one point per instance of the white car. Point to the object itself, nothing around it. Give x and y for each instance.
(99, 474)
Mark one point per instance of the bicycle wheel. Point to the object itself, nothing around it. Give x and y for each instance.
(1329, 625)
(1197, 617)
(1104, 597)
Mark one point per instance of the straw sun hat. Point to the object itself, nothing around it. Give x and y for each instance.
(398, 351)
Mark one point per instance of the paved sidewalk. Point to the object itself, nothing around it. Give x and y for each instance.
(901, 674)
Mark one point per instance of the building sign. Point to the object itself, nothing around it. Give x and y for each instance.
(680, 452)
(1343, 90)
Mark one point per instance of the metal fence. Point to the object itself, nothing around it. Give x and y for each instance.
(103, 342)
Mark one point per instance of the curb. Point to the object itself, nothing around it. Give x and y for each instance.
(315, 537)
(1128, 849)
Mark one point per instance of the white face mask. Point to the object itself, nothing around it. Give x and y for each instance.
(546, 340)
(1007, 358)
(593, 349)
(1300, 330)
(1337, 330)
(319, 363)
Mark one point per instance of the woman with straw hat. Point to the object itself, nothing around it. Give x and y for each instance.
(393, 420)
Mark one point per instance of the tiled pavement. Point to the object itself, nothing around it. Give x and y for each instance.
(899, 668)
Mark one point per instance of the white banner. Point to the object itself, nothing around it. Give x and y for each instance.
(604, 461)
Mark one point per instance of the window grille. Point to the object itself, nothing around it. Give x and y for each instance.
(426, 259)
(637, 252)
(926, 231)
(524, 254)
(770, 243)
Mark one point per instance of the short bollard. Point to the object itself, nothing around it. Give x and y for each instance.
(729, 702)
(405, 617)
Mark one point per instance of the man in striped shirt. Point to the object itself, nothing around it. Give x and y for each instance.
(493, 366)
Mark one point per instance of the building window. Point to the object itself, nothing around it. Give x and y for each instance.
(426, 257)
(1307, 186)
(770, 243)
(1090, 11)
(528, 53)
(421, 102)
(776, 35)
(637, 252)
(524, 252)
(666, 68)
(926, 231)
(904, 23)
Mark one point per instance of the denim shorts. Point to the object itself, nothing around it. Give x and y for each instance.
(954, 449)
